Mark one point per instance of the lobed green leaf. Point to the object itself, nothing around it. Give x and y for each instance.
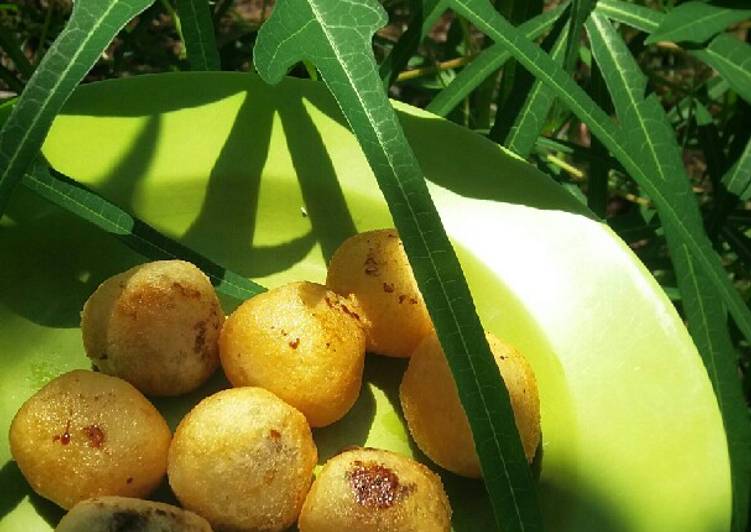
(730, 57)
(696, 22)
(738, 179)
(580, 10)
(639, 17)
(487, 62)
(198, 34)
(92, 26)
(142, 238)
(530, 120)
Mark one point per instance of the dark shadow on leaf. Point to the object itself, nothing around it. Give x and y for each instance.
(120, 184)
(224, 228)
(578, 507)
(47, 510)
(53, 261)
(351, 430)
(385, 373)
(324, 200)
(14, 487)
(50, 282)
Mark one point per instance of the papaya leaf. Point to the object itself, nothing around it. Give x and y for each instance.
(738, 179)
(682, 214)
(648, 127)
(530, 120)
(92, 26)
(142, 238)
(198, 34)
(336, 35)
(639, 17)
(580, 10)
(423, 18)
(487, 62)
(729, 56)
(696, 22)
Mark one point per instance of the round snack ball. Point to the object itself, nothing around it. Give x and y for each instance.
(302, 342)
(108, 514)
(243, 459)
(86, 434)
(370, 490)
(156, 326)
(436, 418)
(373, 268)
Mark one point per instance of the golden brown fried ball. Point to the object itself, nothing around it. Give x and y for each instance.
(302, 342)
(243, 459)
(373, 268)
(370, 490)
(156, 326)
(87, 434)
(121, 514)
(436, 418)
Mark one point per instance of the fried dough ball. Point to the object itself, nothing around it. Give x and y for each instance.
(302, 342)
(156, 326)
(86, 434)
(373, 268)
(121, 514)
(436, 418)
(243, 459)
(370, 490)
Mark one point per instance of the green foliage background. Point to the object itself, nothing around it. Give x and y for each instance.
(671, 175)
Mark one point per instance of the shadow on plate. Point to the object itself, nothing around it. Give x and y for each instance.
(14, 487)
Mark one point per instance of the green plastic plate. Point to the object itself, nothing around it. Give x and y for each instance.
(268, 181)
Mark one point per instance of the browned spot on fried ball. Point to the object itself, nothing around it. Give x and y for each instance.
(83, 434)
(373, 270)
(95, 435)
(275, 434)
(373, 490)
(200, 342)
(302, 342)
(375, 486)
(191, 293)
(63, 438)
(156, 326)
(350, 313)
(371, 266)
